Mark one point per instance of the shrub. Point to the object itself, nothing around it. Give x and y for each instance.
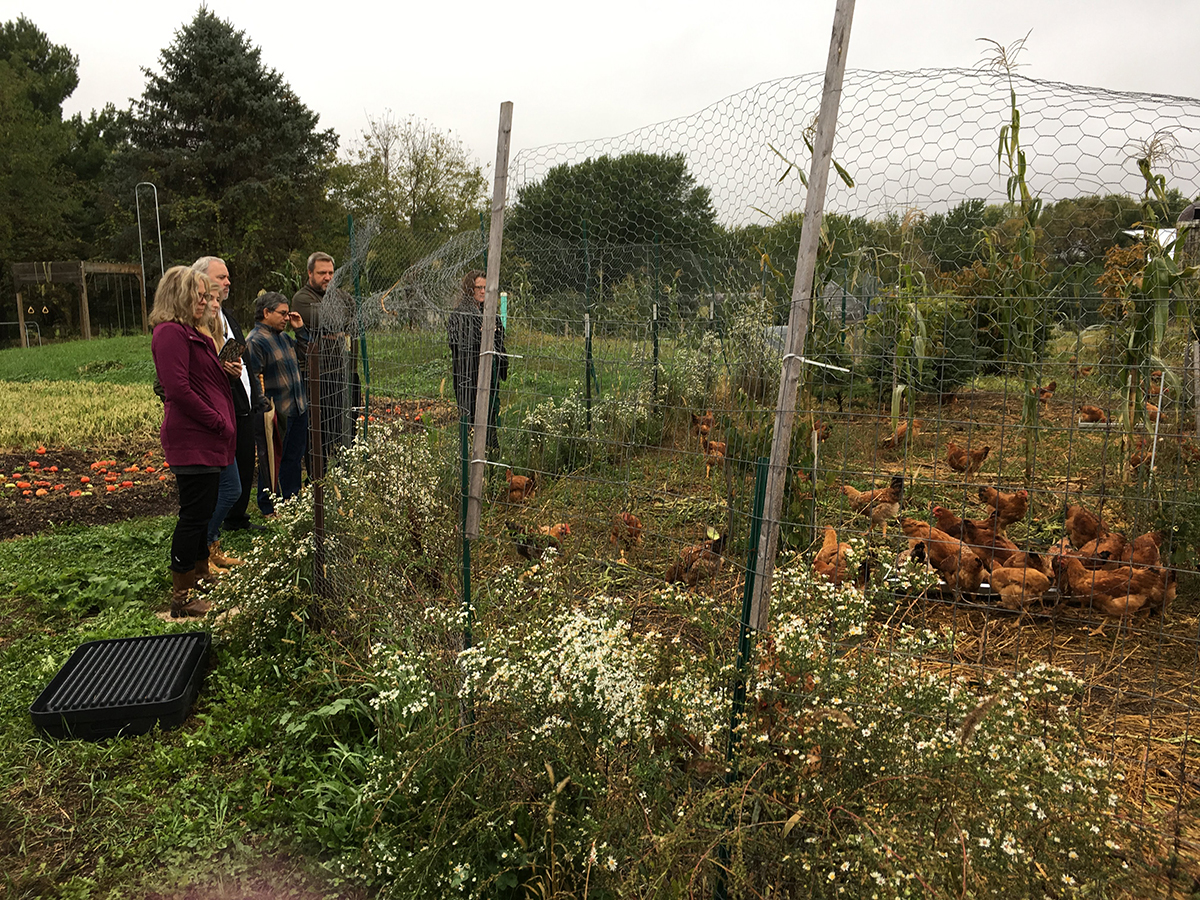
(754, 362)
(573, 754)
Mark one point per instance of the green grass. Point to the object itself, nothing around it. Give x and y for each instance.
(115, 360)
(125, 816)
(85, 570)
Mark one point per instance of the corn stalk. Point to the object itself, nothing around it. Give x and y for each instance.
(1150, 302)
(1021, 309)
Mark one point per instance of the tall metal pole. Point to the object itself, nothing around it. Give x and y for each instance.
(587, 326)
(798, 319)
(137, 202)
(483, 391)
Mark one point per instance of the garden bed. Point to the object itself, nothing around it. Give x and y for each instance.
(149, 491)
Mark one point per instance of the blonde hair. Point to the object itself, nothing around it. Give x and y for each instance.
(175, 297)
(210, 323)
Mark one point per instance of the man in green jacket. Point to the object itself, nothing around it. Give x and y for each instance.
(332, 325)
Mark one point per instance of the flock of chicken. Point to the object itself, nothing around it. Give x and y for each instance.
(693, 563)
(1092, 565)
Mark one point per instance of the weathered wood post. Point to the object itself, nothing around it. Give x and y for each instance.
(798, 319)
(483, 390)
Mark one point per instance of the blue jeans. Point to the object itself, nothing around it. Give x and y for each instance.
(291, 464)
(227, 494)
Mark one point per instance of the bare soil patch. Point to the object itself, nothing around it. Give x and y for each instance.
(68, 500)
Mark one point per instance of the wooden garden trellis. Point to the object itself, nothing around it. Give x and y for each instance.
(73, 271)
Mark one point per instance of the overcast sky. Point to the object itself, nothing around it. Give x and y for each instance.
(576, 71)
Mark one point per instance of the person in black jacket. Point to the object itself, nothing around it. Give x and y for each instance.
(247, 398)
(464, 331)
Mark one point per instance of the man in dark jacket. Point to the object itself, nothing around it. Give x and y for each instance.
(247, 398)
(333, 328)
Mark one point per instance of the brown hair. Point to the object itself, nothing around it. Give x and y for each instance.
(175, 297)
(317, 257)
(468, 283)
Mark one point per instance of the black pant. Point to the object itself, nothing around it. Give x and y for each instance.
(244, 457)
(197, 500)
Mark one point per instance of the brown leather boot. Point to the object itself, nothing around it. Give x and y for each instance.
(217, 558)
(183, 602)
(206, 571)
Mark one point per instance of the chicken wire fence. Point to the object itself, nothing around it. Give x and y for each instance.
(1002, 303)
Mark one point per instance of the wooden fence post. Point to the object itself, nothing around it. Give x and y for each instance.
(798, 320)
(483, 390)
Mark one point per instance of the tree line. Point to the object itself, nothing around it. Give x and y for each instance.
(242, 167)
(244, 170)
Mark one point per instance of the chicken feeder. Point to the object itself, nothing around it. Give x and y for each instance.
(123, 686)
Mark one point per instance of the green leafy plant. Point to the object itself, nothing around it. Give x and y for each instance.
(1020, 317)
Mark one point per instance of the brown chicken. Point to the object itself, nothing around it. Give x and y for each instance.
(1144, 550)
(714, 454)
(1045, 393)
(956, 563)
(830, 561)
(897, 437)
(982, 537)
(1097, 554)
(1119, 592)
(520, 487)
(1029, 560)
(880, 504)
(626, 532)
(1083, 525)
(1152, 413)
(1009, 508)
(702, 425)
(1020, 585)
(1140, 456)
(821, 430)
(961, 459)
(1092, 414)
(559, 530)
(696, 562)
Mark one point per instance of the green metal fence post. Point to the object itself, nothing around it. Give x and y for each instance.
(587, 325)
(464, 454)
(745, 648)
(362, 333)
(654, 316)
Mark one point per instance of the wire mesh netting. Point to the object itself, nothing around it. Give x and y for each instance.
(996, 426)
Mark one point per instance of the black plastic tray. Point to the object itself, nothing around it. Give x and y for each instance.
(123, 686)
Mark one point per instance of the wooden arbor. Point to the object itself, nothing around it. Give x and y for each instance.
(72, 272)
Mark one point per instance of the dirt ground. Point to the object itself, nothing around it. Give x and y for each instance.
(148, 491)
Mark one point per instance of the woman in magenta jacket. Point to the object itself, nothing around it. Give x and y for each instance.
(199, 432)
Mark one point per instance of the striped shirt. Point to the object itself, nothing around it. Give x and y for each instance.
(272, 354)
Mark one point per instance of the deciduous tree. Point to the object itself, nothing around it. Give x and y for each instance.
(628, 205)
(412, 173)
